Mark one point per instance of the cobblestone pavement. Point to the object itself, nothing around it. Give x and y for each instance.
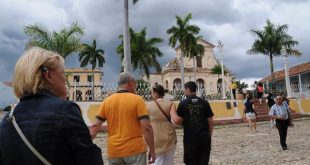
(233, 144)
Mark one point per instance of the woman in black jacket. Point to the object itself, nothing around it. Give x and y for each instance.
(52, 125)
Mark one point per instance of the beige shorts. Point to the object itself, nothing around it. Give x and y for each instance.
(250, 115)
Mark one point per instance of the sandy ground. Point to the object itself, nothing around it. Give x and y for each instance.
(233, 144)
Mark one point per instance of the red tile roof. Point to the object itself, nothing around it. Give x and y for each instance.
(295, 70)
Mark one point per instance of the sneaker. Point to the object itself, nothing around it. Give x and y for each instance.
(284, 148)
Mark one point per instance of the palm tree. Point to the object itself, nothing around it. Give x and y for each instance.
(143, 50)
(184, 33)
(195, 50)
(89, 54)
(217, 69)
(270, 41)
(126, 41)
(64, 42)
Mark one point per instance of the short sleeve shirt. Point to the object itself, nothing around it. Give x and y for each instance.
(279, 110)
(123, 112)
(195, 113)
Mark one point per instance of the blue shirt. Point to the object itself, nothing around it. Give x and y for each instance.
(279, 110)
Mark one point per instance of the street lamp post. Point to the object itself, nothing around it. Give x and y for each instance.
(287, 79)
(220, 48)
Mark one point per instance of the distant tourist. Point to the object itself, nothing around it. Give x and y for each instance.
(249, 111)
(44, 127)
(280, 113)
(260, 92)
(233, 87)
(128, 125)
(196, 116)
(165, 137)
(270, 102)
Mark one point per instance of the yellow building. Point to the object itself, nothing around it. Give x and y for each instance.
(79, 82)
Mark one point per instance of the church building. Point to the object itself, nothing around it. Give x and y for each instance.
(210, 83)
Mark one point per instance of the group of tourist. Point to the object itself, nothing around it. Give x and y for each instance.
(279, 112)
(46, 128)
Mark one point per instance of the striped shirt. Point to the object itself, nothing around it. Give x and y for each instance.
(279, 110)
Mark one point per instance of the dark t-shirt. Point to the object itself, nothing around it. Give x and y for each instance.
(195, 113)
(248, 107)
(270, 101)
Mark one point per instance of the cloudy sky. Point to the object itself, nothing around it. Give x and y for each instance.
(225, 20)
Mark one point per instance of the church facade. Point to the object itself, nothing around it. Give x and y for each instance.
(210, 83)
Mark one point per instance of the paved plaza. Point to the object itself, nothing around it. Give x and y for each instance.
(233, 144)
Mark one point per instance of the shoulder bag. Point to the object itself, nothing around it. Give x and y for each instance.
(162, 111)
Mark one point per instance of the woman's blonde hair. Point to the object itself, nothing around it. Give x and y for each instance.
(29, 70)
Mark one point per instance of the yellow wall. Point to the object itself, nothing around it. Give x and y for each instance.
(294, 106)
(92, 112)
(240, 107)
(219, 109)
(305, 104)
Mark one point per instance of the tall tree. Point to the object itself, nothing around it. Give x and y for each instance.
(64, 42)
(217, 69)
(269, 42)
(196, 50)
(126, 42)
(90, 55)
(184, 34)
(144, 51)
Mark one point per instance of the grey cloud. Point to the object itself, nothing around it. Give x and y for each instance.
(103, 20)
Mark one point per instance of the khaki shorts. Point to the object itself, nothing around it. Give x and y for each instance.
(250, 115)
(139, 159)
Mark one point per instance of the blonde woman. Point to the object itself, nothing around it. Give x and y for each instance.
(53, 126)
(164, 133)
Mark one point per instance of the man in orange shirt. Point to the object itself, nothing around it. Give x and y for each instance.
(127, 123)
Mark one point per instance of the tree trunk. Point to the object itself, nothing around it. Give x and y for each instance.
(126, 40)
(272, 72)
(182, 70)
(195, 68)
(93, 84)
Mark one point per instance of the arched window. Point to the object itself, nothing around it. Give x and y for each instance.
(88, 95)
(78, 95)
(177, 83)
(219, 85)
(200, 83)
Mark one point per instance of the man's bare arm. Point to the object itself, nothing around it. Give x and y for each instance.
(95, 128)
(174, 116)
(149, 138)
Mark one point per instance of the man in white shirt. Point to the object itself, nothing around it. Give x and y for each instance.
(280, 112)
